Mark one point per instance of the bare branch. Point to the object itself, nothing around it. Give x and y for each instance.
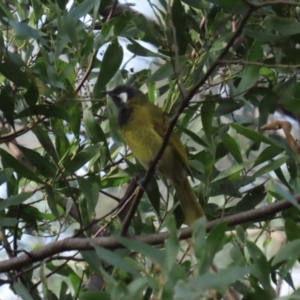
(69, 244)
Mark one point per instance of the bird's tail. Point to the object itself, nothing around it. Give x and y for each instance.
(192, 210)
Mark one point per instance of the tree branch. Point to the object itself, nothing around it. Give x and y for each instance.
(81, 244)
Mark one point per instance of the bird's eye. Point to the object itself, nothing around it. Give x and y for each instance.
(123, 96)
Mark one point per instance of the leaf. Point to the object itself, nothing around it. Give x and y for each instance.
(285, 26)
(111, 63)
(31, 95)
(264, 36)
(42, 164)
(11, 69)
(44, 110)
(262, 269)
(92, 127)
(22, 291)
(278, 188)
(271, 166)
(194, 288)
(139, 50)
(7, 104)
(81, 9)
(44, 139)
(73, 110)
(5, 175)
(152, 253)
(166, 70)
(232, 146)
(292, 230)
(179, 22)
(14, 200)
(267, 154)
(207, 114)
(23, 31)
(286, 252)
(251, 74)
(69, 24)
(230, 171)
(153, 195)
(115, 260)
(214, 243)
(227, 107)
(22, 171)
(251, 199)
(83, 157)
(250, 134)
(8, 222)
(90, 192)
(51, 200)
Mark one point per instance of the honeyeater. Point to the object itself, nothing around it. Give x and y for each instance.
(142, 127)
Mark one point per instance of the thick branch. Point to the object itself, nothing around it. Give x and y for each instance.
(151, 239)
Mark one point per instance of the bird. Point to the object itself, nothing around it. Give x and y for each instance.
(142, 127)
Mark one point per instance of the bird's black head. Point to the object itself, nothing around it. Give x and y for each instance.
(123, 94)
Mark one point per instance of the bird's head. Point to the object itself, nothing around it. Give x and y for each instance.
(123, 94)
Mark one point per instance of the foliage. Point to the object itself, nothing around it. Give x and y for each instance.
(227, 65)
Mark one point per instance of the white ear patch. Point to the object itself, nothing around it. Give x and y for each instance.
(123, 96)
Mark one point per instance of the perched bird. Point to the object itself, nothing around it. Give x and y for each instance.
(142, 127)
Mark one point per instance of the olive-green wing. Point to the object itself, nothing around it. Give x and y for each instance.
(161, 125)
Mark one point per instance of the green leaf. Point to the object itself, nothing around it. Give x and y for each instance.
(214, 243)
(22, 291)
(8, 222)
(251, 199)
(91, 295)
(117, 261)
(42, 164)
(139, 50)
(69, 24)
(152, 253)
(271, 166)
(5, 175)
(7, 104)
(31, 95)
(111, 63)
(232, 146)
(262, 269)
(44, 139)
(250, 75)
(286, 252)
(267, 154)
(11, 69)
(44, 110)
(153, 195)
(264, 36)
(73, 110)
(51, 200)
(207, 114)
(23, 31)
(81, 9)
(14, 200)
(230, 171)
(194, 288)
(285, 26)
(250, 134)
(193, 3)
(90, 192)
(22, 171)
(179, 22)
(279, 189)
(83, 157)
(292, 230)
(166, 70)
(92, 127)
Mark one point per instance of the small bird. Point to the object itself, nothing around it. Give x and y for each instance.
(142, 127)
